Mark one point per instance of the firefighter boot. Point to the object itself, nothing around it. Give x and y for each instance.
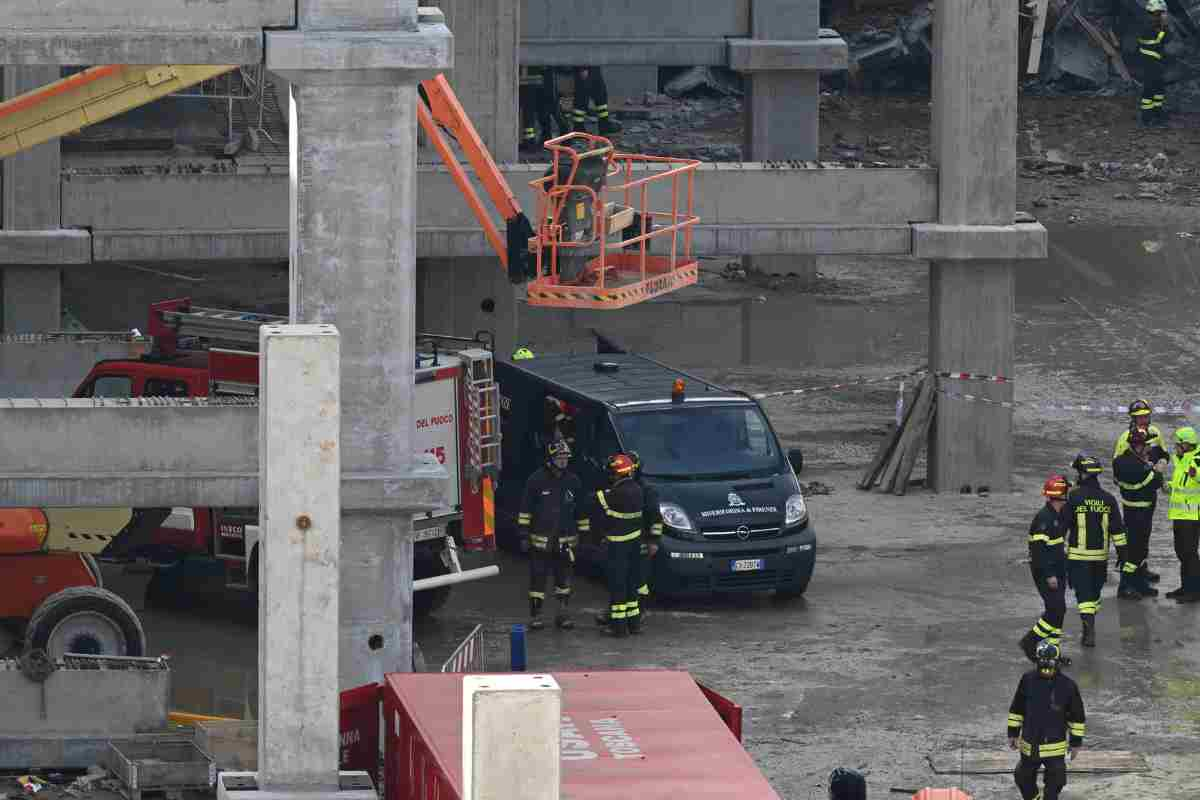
(1127, 590)
(1148, 574)
(563, 619)
(536, 623)
(1141, 584)
(1089, 629)
(1028, 645)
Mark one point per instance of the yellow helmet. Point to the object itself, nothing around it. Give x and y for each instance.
(1185, 436)
(522, 353)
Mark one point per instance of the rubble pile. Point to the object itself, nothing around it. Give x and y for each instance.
(1088, 47)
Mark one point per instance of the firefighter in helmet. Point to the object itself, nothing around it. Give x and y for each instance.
(620, 513)
(1045, 722)
(1048, 563)
(1139, 419)
(1093, 517)
(551, 515)
(1139, 475)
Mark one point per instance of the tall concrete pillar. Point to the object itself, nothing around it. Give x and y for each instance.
(974, 245)
(781, 65)
(486, 41)
(31, 202)
(353, 70)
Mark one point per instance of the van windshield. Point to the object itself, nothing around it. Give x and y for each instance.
(702, 442)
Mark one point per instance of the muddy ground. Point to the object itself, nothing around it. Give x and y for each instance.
(905, 645)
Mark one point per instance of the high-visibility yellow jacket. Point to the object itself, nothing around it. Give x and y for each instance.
(1185, 486)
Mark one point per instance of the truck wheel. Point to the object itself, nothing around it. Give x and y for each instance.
(427, 564)
(85, 619)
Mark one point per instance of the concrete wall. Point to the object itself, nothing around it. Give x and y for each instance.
(52, 368)
(83, 702)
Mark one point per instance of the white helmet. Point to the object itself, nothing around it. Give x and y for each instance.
(1154, 6)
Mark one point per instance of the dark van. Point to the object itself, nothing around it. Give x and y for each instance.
(734, 516)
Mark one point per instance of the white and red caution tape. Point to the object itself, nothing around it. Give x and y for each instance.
(1175, 409)
(958, 376)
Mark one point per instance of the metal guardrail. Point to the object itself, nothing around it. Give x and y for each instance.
(470, 656)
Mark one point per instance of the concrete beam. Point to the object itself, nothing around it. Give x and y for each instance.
(138, 31)
(745, 209)
(371, 51)
(1023, 241)
(826, 54)
(606, 52)
(84, 452)
(54, 248)
(70, 47)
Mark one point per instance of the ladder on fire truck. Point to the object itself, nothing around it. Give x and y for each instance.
(231, 341)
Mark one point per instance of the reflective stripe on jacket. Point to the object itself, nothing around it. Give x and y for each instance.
(620, 511)
(1185, 487)
(1046, 713)
(1093, 517)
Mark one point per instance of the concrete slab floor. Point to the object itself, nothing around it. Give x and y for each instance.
(906, 642)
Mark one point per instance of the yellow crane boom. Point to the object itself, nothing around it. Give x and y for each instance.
(91, 96)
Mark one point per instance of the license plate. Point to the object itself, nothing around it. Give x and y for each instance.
(436, 532)
(748, 564)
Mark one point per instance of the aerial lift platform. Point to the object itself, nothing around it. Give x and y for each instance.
(599, 212)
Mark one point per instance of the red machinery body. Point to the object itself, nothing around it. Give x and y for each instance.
(646, 734)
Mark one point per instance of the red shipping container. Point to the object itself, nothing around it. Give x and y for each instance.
(358, 729)
(649, 734)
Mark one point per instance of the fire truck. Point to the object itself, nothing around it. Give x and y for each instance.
(211, 352)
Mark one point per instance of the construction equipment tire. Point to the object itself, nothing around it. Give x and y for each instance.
(85, 619)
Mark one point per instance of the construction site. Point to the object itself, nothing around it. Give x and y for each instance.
(294, 317)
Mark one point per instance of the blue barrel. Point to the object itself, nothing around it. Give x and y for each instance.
(517, 640)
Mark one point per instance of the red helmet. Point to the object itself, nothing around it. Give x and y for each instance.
(620, 466)
(1056, 487)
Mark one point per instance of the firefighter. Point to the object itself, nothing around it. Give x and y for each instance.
(1092, 518)
(653, 533)
(590, 89)
(1185, 514)
(559, 420)
(1046, 722)
(1139, 479)
(1139, 419)
(847, 784)
(619, 509)
(537, 99)
(1048, 563)
(550, 515)
(1152, 38)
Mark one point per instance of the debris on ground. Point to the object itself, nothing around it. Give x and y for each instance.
(704, 81)
(816, 489)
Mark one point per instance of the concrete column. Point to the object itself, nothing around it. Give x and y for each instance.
(511, 737)
(32, 293)
(299, 501)
(353, 243)
(782, 108)
(486, 42)
(971, 325)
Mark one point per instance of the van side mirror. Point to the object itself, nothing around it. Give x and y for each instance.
(796, 459)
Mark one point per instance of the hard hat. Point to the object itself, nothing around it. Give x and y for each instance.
(557, 448)
(1139, 408)
(1048, 655)
(1155, 6)
(522, 353)
(1056, 487)
(620, 466)
(847, 784)
(1186, 435)
(1086, 465)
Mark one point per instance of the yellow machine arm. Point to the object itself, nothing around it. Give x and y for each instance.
(91, 96)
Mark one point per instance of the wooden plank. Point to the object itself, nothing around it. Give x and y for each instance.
(886, 449)
(891, 472)
(1105, 44)
(1039, 30)
(990, 762)
(923, 418)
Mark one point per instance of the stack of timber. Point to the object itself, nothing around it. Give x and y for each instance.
(893, 464)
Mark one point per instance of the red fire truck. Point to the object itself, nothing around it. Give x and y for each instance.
(209, 352)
